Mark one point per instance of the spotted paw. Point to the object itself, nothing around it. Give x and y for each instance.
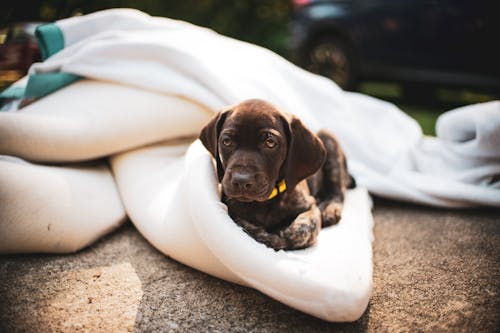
(331, 214)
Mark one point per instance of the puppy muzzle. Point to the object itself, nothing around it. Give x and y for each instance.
(245, 186)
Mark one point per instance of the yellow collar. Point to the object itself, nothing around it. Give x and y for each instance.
(280, 188)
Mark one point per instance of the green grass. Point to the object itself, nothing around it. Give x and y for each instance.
(384, 90)
(393, 92)
(424, 116)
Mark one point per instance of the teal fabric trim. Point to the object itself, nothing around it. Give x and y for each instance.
(13, 92)
(40, 85)
(50, 39)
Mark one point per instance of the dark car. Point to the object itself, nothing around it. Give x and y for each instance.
(446, 42)
(18, 47)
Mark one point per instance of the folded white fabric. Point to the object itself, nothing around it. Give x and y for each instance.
(462, 164)
(91, 119)
(149, 181)
(55, 209)
(184, 218)
(472, 131)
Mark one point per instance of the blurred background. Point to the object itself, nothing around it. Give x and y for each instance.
(427, 56)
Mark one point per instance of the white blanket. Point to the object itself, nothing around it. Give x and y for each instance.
(386, 150)
(154, 79)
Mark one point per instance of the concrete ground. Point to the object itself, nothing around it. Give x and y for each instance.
(434, 271)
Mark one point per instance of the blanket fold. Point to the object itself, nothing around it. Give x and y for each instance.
(91, 119)
(55, 209)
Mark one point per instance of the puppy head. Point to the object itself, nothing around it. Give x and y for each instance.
(256, 146)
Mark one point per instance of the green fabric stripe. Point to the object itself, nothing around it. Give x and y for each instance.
(50, 39)
(40, 85)
(13, 92)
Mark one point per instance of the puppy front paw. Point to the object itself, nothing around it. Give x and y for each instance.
(270, 240)
(304, 231)
(273, 241)
(331, 213)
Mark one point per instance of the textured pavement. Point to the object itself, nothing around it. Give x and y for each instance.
(435, 270)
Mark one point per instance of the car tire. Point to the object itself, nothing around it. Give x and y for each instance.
(333, 58)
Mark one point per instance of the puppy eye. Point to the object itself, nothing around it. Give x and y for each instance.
(270, 143)
(227, 142)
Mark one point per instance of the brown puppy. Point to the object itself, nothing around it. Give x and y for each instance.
(263, 157)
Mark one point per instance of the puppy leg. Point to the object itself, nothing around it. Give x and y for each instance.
(333, 182)
(304, 230)
(261, 235)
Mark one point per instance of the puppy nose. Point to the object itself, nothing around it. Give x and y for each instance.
(242, 181)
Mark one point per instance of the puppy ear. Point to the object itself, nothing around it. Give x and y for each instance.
(306, 153)
(209, 136)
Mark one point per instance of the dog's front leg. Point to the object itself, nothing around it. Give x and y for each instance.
(331, 182)
(261, 235)
(304, 230)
